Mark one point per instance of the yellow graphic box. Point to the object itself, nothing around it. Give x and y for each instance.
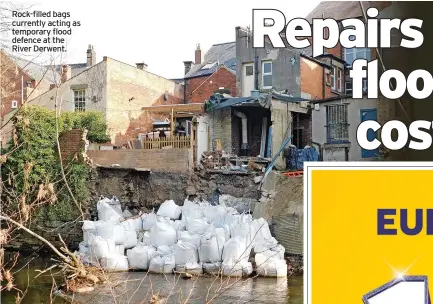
(366, 224)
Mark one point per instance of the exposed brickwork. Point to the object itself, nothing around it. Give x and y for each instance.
(236, 135)
(173, 160)
(201, 88)
(11, 83)
(72, 143)
(312, 80)
(220, 127)
(337, 51)
(305, 124)
(128, 90)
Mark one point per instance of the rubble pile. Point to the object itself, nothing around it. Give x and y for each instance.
(194, 238)
(220, 160)
(214, 160)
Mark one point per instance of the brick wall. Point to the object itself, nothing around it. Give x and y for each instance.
(236, 134)
(220, 127)
(167, 160)
(128, 90)
(312, 78)
(305, 124)
(71, 143)
(312, 81)
(11, 83)
(201, 88)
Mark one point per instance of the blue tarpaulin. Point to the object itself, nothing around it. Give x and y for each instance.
(297, 157)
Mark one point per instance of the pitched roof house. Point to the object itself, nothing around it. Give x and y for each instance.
(216, 71)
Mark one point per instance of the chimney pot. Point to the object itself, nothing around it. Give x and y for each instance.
(66, 73)
(91, 56)
(141, 66)
(198, 54)
(188, 66)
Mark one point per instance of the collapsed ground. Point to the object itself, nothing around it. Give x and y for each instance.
(277, 201)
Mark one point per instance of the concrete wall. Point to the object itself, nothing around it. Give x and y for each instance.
(336, 152)
(202, 136)
(173, 160)
(285, 74)
(281, 129)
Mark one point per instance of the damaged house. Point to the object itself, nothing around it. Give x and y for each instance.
(251, 126)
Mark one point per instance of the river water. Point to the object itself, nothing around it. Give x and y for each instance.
(138, 287)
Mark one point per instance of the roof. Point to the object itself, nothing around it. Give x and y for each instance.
(324, 64)
(330, 56)
(221, 103)
(76, 68)
(184, 107)
(338, 10)
(36, 71)
(223, 53)
(333, 98)
(285, 97)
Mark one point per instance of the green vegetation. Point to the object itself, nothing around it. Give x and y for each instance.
(32, 160)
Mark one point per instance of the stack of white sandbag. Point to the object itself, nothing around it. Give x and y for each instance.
(163, 261)
(194, 238)
(105, 241)
(269, 258)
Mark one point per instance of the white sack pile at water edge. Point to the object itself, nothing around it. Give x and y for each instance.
(195, 238)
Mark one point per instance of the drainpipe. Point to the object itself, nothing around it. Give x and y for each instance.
(244, 146)
(184, 90)
(256, 70)
(324, 82)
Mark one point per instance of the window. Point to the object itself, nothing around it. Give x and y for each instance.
(337, 126)
(333, 70)
(80, 100)
(249, 70)
(336, 78)
(350, 55)
(339, 79)
(348, 86)
(14, 104)
(267, 74)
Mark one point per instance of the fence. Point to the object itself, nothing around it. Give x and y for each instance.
(176, 142)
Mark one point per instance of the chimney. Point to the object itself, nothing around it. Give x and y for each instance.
(198, 54)
(141, 66)
(66, 73)
(91, 56)
(188, 66)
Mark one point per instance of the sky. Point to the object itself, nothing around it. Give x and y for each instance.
(161, 33)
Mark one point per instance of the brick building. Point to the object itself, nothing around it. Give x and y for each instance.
(287, 71)
(20, 81)
(216, 70)
(336, 118)
(118, 90)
